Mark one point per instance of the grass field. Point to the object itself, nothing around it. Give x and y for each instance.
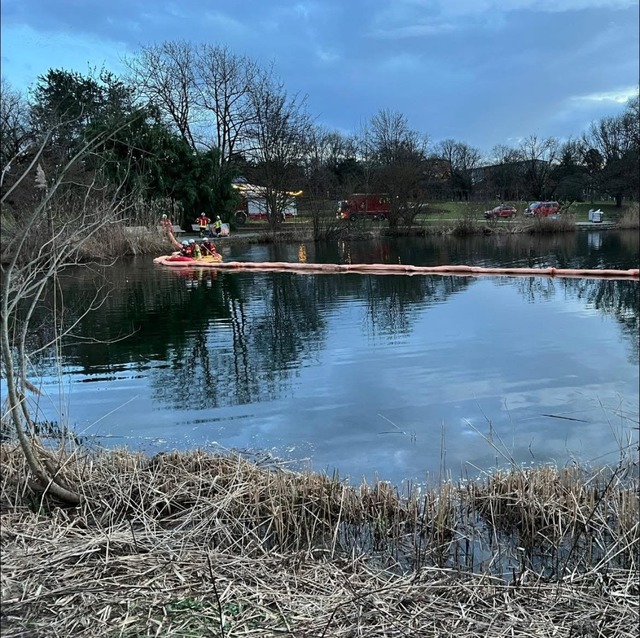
(449, 211)
(443, 211)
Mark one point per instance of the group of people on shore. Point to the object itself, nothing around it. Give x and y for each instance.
(203, 222)
(207, 229)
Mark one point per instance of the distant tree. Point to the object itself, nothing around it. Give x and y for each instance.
(163, 75)
(223, 82)
(65, 103)
(570, 174)
(613, 146)
(462, 160)
(397, 154)
(277, 142)
(326, 152)
(593, 163)
(15, 131)
(537, 157)
(330, 166)
(504, 176)
(68, 109)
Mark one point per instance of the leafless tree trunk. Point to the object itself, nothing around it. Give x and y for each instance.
(398, 154)
(462, 160)
(538, 157)
(164, 75)
(279, 142)
(223, 84)
(325, 150)
(28, 270)
(14, 128)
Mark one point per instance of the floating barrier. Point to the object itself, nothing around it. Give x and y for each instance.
(402, 269)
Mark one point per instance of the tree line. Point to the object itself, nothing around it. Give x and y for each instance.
(192, 118)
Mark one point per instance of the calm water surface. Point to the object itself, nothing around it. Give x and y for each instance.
(396, 377)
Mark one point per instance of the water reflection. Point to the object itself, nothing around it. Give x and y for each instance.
(368, 373)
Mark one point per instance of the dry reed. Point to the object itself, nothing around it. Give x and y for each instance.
(630, 218)
(195, 544)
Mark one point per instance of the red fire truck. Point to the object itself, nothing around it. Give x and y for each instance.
(364, 206)
(253, 202)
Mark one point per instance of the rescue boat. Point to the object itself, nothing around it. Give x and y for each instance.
(177, 260)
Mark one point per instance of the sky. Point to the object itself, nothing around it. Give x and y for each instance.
(484, 72)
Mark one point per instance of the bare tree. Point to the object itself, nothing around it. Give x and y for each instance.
(15, 135)
(398, 154)
(326, 150)
(504, 176)
(54, 236)
(538, 158)
(613, 148)
(223, 85)
(462, 160)
(278, 139)
(164, 76)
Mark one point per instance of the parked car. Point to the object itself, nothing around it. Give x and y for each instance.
(541, 209)
(500, 211)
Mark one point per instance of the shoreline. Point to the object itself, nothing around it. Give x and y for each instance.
(191, 543)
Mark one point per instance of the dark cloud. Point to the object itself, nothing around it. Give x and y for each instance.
(468, 70)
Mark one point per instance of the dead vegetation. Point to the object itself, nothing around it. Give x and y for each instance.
(630, 218)
(195, 544)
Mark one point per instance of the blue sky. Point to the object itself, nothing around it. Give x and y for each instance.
(484, 72)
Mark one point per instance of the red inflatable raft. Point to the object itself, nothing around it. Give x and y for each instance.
(178, 261)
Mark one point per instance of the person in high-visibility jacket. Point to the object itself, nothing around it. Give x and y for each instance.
(203, 221)
(217, 225)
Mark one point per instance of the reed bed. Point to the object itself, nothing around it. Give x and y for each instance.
(630, 218)
(197, 544)
(117, 240)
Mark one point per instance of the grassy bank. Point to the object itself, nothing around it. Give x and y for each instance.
(193, 544)
(439, 211)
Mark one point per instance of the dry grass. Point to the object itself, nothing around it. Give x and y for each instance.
(193, 544)
(117, 240)
(630, 218)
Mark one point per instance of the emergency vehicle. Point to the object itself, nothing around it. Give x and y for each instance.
(364, 206)
(253, 202)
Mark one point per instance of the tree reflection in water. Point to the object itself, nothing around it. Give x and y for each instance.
(212, 340)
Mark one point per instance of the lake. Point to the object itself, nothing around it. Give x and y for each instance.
(391, 377)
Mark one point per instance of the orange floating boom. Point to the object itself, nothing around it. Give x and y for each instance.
(402, 269)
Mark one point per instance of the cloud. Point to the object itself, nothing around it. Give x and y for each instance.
(419, 18)
(620, 96)
(28, 53)
(327, 55)
(225, 23)
(478, 7)
(401, 62)
(413, 30)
